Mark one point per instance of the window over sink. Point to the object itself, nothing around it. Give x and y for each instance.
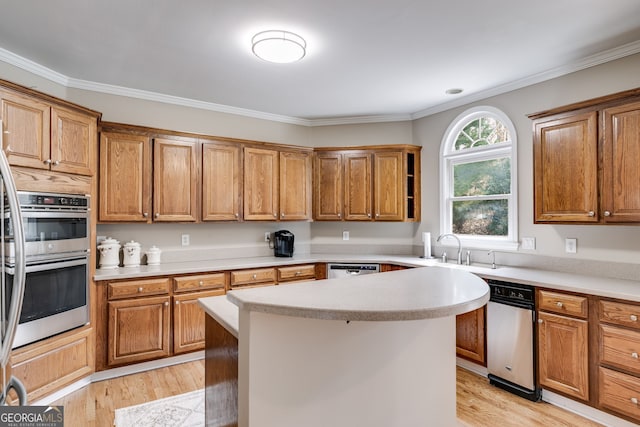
(478, 179)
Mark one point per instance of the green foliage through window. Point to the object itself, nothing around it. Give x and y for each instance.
(482, 131)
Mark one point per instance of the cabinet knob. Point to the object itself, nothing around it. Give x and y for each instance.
(255, 276)
(56, 163)
(634, 355)
(633, 318)
(140, 289)
(339, 215)
(145, 214)
(540, 321)
(166, 303)
(47, 162)
(377, 215)
(177, 302)
(634, 400)
(298, 273)
(559, 304)
(607, 213)
(275, 215)
(368, 215)
(592, 213)
(200, 283)
(157, 215)
(6, 132)
(282, 215)
(237, 215)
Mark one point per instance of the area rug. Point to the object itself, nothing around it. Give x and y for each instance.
(184, 410)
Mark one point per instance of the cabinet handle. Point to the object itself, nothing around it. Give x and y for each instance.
(607, 213)
(634, 400)
(559, 304)
(634, 355)
(592, 213)
(140, 289)
(47, 162)
(633, 318)
(145, 214)
(6, 132)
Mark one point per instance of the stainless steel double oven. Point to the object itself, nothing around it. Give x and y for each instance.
(56, 230)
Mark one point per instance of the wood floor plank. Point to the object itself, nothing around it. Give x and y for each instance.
(478, 403)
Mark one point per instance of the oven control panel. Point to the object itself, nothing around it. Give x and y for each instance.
(30, 200)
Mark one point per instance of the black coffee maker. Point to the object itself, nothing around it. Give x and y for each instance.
(283, 243)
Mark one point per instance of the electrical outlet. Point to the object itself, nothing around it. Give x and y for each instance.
(185, 240)
(345, 235)
(100, 239)
(571, 246)
(267, 236)
(529, 243)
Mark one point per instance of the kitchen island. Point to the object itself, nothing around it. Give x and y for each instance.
(374, 350)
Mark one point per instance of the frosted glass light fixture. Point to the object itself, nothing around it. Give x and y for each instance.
(279, 46)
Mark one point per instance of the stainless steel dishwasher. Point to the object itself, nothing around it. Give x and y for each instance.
(350, 270)
(511, 348)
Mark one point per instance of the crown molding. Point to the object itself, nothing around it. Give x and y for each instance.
(588, 62)
(49, 74)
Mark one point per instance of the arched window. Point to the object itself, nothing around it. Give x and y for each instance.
(478, 188)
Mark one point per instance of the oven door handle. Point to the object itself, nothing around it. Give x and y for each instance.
(54, 214)
(15, 307)
(34, 268)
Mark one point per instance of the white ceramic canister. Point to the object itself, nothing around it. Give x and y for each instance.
(109, 253)
(153, 255)
(131, 252)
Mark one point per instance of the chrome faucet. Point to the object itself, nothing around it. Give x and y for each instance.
(442, 236)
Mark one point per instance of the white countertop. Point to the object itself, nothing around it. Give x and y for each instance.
(413, 294)
(593, 285)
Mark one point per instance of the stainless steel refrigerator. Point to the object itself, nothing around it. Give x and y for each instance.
(10, 307)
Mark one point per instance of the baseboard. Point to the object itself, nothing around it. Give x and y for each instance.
(585, 410)
(473, 367)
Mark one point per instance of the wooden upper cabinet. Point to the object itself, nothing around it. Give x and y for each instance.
(175, 180)
(44, 136)
(295, 185)
(328, 187)
(125, 177)
(261, 178)
(357, 186)
(565, 153)
(73, 142)
(621, 157)
(221, 182)
(26, 124)
(388, 188)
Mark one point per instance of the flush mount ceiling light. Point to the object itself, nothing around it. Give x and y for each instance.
(279, 46)
(453, 91)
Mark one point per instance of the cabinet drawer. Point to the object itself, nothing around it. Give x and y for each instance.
(620, 348)
(619, 313)
(572, 305)
(296, 272)
(200, 282)
(619, 392)
(256, 276)
(139, 288)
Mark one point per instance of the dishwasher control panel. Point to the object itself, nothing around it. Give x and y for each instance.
(511, 292)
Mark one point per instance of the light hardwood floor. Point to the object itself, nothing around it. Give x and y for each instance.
(478, 403)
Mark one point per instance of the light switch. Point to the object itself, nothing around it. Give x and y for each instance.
(529, 243)
(571, 246)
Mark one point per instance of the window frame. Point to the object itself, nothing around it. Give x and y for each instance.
(449, 158)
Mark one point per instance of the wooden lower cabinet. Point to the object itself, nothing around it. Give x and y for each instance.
(55, 363)
(296, 273)
(253, 277)
(189, 320)
(139, 330)
(470, 336)
(563, 354)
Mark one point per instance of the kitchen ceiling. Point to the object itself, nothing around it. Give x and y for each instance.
(367, 60)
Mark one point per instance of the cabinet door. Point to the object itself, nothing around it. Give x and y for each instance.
(26, 125)
(260, 184)
(73, 142)
(388, 185)
(125, 177)
(470, 332)
(295, 185)
(138, 330)
(189, 320)
(221, 199)
(565, 154)
(621, 157)
(563, 354)
(327, 187)
(175, 180)
(357, 188)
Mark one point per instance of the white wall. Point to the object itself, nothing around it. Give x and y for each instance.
(609, 243)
